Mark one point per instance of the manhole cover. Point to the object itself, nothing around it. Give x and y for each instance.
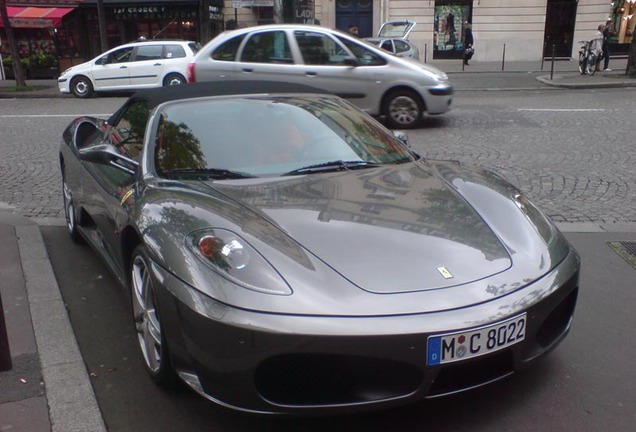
(626, 250)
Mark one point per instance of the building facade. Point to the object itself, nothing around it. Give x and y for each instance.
(520, 30)
(525, 29)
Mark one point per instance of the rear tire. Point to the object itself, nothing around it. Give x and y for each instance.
(174, 79)
(82, 87)
(150, 334)
(403, 109)
(590, 64)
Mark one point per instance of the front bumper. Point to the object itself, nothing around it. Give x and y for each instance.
(64, 84)
(272, 363)
(438, 99)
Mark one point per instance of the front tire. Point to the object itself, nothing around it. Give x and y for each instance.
(70, 213)
(403, 109)
(582, 63)
(173, 79)
(82, 87)
(150, 334)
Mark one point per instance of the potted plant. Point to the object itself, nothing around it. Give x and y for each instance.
(8, 66)
(43, 65)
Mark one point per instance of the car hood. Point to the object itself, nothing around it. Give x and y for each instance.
(387, 230)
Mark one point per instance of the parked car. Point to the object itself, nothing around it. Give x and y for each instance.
(286, 253)
(377, 82)
(133, 66)
(393, 37)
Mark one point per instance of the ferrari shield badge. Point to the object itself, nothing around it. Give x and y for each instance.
(444, 272)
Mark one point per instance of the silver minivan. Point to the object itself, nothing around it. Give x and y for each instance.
(378, 82)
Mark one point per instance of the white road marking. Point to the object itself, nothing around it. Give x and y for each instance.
(52, 115)
(561, 109)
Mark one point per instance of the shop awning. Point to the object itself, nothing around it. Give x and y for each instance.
(36, 17)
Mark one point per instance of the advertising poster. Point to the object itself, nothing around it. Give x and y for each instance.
(450, 20)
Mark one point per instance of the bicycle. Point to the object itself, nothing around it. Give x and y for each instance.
(587, 58)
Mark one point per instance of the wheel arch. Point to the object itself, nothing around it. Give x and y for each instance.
(130, 239)
(402, 87)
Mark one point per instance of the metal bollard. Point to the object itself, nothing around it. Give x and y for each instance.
(552, 66)
(503, 58)
(5, 354)
(425, 53)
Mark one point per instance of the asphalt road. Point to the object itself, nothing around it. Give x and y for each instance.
(586, 384)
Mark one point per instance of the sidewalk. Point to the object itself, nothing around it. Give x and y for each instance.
(476, 76)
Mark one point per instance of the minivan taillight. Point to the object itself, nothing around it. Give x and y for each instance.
(191, 75)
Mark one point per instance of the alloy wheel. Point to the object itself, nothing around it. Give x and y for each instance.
(145, 315)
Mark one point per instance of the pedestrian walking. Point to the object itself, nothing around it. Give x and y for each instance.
(354, 30)
(607, 31)
(469, 50)
(597, 45)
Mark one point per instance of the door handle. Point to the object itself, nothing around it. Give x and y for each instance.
(248, 70)
(123, 67)
(157, 64)
(311, 73)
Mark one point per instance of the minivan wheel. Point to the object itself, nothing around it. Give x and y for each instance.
(403, 109)
(82, 87)
(173, 79)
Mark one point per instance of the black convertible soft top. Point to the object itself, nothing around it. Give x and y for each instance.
(160, 95)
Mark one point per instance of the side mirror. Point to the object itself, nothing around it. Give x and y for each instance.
(107, 154)
(402, 136)
(102, 60)
(351, 61)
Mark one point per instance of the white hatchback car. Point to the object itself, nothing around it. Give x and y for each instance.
(142, 64)
(401, 89)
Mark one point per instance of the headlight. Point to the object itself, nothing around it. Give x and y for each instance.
(235, 259)
(536, 216)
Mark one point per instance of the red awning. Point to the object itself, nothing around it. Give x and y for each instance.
(36, 17)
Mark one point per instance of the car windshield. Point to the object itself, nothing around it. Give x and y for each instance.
(254, 136)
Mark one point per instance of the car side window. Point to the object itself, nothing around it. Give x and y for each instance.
(149, 52)
(365, 56)
(128, 133)
(229, 50)
(386, 45)
(320, 49)
(173, 51)
(120, 56)
(401, 46)
(267, 47)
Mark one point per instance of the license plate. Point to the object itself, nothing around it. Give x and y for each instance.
(452, 347)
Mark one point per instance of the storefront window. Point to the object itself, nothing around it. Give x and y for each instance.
(450, 20)
(623, 20)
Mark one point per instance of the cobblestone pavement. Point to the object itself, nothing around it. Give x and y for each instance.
(573, 156)
(572, 152)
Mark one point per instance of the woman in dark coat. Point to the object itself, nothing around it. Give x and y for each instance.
(468, 43)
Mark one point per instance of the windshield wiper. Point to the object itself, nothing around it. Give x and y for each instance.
(338, 165)
(216, 173)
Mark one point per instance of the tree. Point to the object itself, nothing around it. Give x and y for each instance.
(13, 46)
(631, 62)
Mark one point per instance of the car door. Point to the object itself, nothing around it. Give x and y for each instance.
(266, 55)
(111, 71)
(109, 191)
(146, 67)
(327, 64)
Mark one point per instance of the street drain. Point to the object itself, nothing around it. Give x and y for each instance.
(626, 250)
